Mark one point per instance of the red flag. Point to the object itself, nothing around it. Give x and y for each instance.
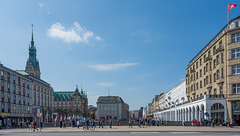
(231, 6)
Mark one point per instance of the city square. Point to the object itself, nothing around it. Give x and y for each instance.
(120, 67)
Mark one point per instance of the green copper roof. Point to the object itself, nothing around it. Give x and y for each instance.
(63, 95)
(22, 72)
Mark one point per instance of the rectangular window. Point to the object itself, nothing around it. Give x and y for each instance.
(235, 37)
(200, 62)
(217, 59)
(207, 67)
(235, 53)
(221, 57)
(206, 80)
(215, 77)
(236, 88)
(222, 73)
(204, 69)
(2, 73)
(236, 24)
(218, 75)
(210, 78)
(235, 69)
(214, 50)
(200, 84)
(196, 65)
(214, 63)
(220, 44)
(197, 75)
(200, 73)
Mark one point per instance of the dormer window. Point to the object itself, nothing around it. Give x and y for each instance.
(236, 24)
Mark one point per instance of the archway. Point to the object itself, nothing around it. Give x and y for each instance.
(217, 112)
(197, 113)
(202, 112)
(193, 113)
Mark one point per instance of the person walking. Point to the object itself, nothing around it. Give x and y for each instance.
(34, 126)
(110, 123)
(130, 123)
(41, 124)
(100, 123)
(78, 123)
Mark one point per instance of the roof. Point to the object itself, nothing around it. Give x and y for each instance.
(68, 95)
(211, 42)
(101, 98)
(22, 72)
(63, 95)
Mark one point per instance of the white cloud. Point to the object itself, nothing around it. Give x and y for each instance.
(41, 4)
(98, 38)
(111, 66)
(106, 84)
(76, 34)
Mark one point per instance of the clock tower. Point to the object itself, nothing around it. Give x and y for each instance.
(32, 66)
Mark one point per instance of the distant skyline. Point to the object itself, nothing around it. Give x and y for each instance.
(136, 49)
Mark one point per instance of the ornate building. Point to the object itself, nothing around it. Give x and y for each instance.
(21, 91)
(71, 103)
(32, 66)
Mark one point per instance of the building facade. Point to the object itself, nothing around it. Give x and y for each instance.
(110, 107)
(214, 71)
(69, 103)
(16, 97)
(23, 90)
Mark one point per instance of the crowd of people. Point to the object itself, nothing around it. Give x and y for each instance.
(29, 124)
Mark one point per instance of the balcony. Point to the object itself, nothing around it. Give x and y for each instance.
(216, 96)
(219, 50)
(193, 70)
(208, 58)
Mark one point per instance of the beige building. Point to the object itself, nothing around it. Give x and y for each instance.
(215, 72)
(16, 97)
(69, 103)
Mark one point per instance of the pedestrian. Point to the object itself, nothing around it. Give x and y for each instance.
(60, 123)
(183, 123)
(41, 124)
(78, 123)
(100, 123)
(227, 122)
(157, 122)
(34, 126)
(110, 123)
(130, 123)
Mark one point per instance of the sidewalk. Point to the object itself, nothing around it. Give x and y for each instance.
(134, 129)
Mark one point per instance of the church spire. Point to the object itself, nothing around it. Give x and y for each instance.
(32, 42)
(32, 66)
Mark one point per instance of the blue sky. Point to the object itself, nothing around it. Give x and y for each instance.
(135, 48)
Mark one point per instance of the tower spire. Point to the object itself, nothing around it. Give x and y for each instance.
(32, 34)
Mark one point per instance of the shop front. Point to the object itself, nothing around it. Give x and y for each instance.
(11, 120)
(236, 112)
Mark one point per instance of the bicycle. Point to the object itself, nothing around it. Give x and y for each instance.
(92, 128)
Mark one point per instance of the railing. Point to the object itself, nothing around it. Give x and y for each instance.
(219, 50)
(208, 58)
(216, 96)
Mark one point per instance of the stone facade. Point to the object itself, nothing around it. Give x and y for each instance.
(16, 97)
(214, 71)
(22, 91)
(110, 107)
(69, 103)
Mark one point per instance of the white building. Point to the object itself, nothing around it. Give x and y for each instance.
(178, 109)
(110, 107)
